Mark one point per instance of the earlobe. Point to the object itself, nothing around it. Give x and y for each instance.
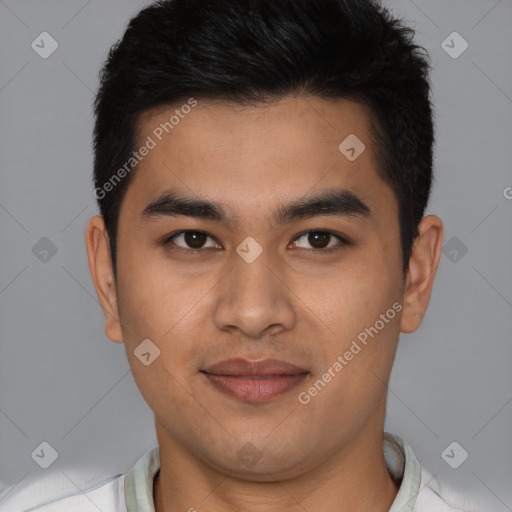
(421, 273)
(100, 266)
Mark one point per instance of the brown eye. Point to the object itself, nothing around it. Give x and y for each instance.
(193, 240)
(321, 240)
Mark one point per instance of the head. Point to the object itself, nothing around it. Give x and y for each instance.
(267, 120)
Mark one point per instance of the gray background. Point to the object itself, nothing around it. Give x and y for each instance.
(62, 381)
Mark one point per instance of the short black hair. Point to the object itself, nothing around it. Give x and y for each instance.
(254, 51)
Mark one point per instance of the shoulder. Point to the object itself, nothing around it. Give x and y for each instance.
(53, 494)
(85, 490)
(433, 496)
(419, 490)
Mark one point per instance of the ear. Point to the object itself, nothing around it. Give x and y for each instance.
(421, 272)
(100, 265)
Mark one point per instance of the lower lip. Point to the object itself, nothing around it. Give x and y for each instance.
(254, 388)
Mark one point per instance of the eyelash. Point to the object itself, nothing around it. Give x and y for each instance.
(342, 241)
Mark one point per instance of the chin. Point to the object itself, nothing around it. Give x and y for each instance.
(262, 465)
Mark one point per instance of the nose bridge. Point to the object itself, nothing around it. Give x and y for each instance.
(253, 276)
(253, 297)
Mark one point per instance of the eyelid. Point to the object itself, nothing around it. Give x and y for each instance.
(343, 241)
(340, 236)
(168, 239)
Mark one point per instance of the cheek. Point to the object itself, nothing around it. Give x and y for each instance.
(172, 308)
(362, 309)
(353, 297)
(164, 388)
(170, 313)
(156, 296)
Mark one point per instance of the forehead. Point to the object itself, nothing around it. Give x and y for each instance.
(249, 157)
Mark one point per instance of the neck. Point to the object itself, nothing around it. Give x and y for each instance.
(354, 478)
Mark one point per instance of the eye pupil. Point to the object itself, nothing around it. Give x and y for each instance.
(194, 239)
(320, 237)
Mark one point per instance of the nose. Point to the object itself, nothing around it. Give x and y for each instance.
(255, 299)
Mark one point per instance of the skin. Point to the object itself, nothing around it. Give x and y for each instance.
(292, 303)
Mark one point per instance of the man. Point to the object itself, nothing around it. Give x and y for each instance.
(262, 169)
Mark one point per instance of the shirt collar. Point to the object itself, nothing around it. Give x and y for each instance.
(402, 465)
(138, 482)
(400, 459)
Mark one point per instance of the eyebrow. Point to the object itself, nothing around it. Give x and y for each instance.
(336, 202)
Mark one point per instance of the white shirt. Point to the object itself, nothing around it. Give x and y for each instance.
(133, 491)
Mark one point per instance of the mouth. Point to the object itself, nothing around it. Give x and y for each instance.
(254, 381)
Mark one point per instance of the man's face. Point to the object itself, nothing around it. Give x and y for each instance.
(293, 301)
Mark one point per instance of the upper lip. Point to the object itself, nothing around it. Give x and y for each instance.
(243, 367)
